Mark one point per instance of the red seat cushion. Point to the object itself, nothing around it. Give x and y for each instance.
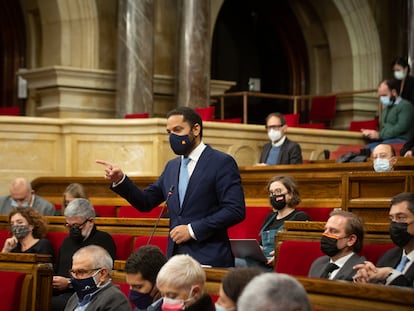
(356, 126)
(4, 235)
(373, 252)
(9, 111)
(11, 289)
(160, 241)
(123, 244)
(143, 115)
(56, 238)
(292, 119)
(249, 228)
(296, 257)
(317, 213)
(105, 210)
(131, 212)
(206, 113)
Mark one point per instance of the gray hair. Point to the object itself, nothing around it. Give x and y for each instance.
(99, 255)
(183, 272)
(274, 292)
(80, 208)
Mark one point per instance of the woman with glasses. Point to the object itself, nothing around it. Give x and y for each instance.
(284, 197)
(28, 229)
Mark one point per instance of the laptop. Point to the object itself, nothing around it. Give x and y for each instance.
(242, 248)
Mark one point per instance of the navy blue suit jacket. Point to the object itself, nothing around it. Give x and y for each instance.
(214, 201)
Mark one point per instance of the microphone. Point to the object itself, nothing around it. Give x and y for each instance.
(170, 192)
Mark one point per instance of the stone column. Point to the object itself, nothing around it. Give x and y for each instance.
(193, 72)
(135, 57)
(410, 32)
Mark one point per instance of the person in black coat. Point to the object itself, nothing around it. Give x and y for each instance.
(80, 220)
(401, 70)
(395, 266)
(280, 150)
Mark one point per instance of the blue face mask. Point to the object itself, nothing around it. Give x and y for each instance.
(181, 144)
(141, 301)
(386, 100)
(382, 165)
(15, 204)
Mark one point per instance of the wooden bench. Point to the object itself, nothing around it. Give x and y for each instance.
(36, 292)
(324, 295)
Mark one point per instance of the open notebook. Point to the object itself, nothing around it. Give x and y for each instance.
(242, 248)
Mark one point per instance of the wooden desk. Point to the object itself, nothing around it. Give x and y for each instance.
(40, 270)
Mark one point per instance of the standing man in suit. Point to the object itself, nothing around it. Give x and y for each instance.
(395, 266)
(341, 241)
(22, 194)
(280, 150)
(201, 213)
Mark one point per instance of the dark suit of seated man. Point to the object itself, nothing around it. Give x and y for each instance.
(280, 150)
(341, 242)
(395, 266)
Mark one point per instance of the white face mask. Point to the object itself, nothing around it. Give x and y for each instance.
(274, 135)
(382, 165)
(399, 75)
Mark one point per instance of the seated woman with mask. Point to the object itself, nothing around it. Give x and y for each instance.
(28, 230)
(284, 197)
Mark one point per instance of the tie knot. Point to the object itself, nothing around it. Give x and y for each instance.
(331, 267)
(185, 161)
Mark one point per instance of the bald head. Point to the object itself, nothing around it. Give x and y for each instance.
(382, 154)
(21, 191)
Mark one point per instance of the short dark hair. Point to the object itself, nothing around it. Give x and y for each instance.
(236, 279)
(291, 186)
(402, 61)
(392, 84)
(146, 260)
(278, 115)
(189, 115)
(354, 225)
(404, 197)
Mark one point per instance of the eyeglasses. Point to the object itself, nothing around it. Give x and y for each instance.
(276, 192)
(67, 225)
(274, 127)
(82, 272)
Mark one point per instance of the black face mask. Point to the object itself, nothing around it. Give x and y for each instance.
(278, 201)
(399, 234)
(141, 301)
(329, 246)
(75, 234)
(84, 287)
(181, 144)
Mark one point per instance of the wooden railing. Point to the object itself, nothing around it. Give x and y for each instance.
(294, 99)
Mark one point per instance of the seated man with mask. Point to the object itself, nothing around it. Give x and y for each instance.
(80, 220)
(280, 150)
(383, 157)
(341, 241)
(90, 278)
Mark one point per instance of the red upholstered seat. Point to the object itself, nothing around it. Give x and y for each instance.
(373, 252)
(249, 228)
(317, 213)
(131, 212)
(322, 112)
(9, 111)
(123, 244)
(4, 235)
(56, 238)
(143, 115)
(105, 210)
(296, 257)
(11, 289)
(206, 113)
(160, 241)
(292, 119)
(356, 126)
